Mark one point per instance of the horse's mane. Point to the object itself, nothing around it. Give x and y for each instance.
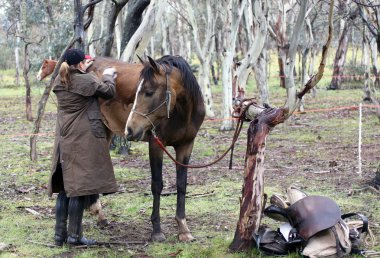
(189, 81)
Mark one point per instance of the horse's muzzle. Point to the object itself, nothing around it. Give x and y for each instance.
(133, 136)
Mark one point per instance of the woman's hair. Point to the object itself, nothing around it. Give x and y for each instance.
(64, 72)
(72, 57)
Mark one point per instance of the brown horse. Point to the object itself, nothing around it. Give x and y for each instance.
(170, 103)
(46, 69)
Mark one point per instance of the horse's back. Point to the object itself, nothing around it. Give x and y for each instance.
(116, 110)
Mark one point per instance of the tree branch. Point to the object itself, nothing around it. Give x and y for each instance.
(366, 5)
(84, 8)
(316, 78)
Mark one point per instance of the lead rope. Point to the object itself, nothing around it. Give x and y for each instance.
(161, 145)
(234, 139)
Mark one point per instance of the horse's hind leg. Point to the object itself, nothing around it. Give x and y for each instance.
(155, 157)
(183, 153)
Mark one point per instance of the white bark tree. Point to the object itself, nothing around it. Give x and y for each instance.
(231, 12)
(366, 63)
(140, 39)
(204, 46)
(164, 31)
(375, 63)
(90, 40)
(290, 59)
(256, 23)
(261, 77)
(119, 31)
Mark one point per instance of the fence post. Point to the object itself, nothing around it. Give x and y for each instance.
(360, 141)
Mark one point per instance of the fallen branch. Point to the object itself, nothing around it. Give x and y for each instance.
(44, 244)
(321, 172)
(109, 244)
(33, 211)
(201, 194)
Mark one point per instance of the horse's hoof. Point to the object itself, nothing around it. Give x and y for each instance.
(158, 237)
(185, 237)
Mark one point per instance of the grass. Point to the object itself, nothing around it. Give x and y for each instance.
(296, 153)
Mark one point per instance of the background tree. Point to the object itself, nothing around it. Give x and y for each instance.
(231, 12)
(116, 7)
(133, 20)
(203, 30)
(256, 27)
(340, 56)
(140, 39)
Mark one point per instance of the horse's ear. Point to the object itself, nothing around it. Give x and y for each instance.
(141, 61)
(153, 64)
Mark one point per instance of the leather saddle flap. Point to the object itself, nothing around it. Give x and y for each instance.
(313, 214)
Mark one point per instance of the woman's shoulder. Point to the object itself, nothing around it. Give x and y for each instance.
(89, 77)
(84, 78)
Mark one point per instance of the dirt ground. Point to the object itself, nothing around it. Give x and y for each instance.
(317, 151)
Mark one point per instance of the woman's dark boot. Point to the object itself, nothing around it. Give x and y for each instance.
(76, 207)
(61, 212)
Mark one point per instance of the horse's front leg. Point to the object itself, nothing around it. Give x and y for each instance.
(155, 158)
(183, 154)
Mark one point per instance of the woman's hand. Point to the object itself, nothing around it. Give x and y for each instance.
(110, 71)
(88, 63)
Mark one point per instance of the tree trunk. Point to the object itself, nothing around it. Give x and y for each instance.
(110, 34)
(232, 19)
(290, 59)
(204, 47)
(375, 66)
(261, 78)
(165, 31)
(256, 24)
(304, 75)
(152, 48)
(78, 24)
(181, 37)
(251, 203)
(28, 97)
(282, 52)
(340, 56)
(90, 40)
(311, 70)
(366, 63)
(140, 39)
(118, 32)
(17, 62)
(133, 20)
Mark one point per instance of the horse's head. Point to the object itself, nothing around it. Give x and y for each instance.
(46, 69)
(155, 98)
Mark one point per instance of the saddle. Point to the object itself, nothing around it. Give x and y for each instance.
(313, 214)
(313, 225)
(308, 215)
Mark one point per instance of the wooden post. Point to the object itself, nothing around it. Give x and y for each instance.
(251, 203)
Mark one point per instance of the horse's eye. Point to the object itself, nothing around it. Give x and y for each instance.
(149, 94)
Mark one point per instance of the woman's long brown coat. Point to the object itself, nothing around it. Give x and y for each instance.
(81, 160)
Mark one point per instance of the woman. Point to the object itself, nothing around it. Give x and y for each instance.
(82, 167)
